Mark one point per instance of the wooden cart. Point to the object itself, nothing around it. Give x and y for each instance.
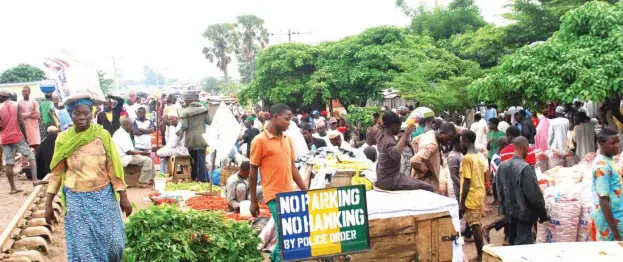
(426, 237)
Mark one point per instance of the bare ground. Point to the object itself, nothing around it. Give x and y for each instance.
(11, 203)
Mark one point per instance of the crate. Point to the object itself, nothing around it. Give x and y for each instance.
(426, 237)
(341, 178)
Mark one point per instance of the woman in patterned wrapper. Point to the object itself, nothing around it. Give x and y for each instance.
(87, 170)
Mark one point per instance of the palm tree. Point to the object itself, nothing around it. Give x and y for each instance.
(224, 39)
(252, 33)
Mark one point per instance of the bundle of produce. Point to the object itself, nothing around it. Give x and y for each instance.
(208, 203)
(564, 209)
(541, 160)
(571, 159)
(168, 233)
(558, 175)
(542, 179)
(192, 186)
(555, 158)
(160, 199)
(586, 202)
(75, 79)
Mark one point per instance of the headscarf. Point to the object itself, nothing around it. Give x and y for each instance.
(70, 140)
(82, 101)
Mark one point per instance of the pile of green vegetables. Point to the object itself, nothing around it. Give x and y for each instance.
(167, 233)
(192, 186)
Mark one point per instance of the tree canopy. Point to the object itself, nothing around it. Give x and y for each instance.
(223, 40)
(22, 73)
(443, 22)
(582, 60)
(106, 84)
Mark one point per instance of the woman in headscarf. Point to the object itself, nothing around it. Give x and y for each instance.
(87, 170)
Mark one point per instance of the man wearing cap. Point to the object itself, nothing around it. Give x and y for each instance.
(557, 131)
(337, 141)
(390, 153)
(12, 138)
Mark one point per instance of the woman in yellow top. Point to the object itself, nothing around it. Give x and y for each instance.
(87, 170)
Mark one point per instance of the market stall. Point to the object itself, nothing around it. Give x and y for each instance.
(553, 252)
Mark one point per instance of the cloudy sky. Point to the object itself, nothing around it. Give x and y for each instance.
(166, 35)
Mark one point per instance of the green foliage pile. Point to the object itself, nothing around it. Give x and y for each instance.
(582, 60)
(166, 233)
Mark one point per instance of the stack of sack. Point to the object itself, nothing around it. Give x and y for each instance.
(563, 206)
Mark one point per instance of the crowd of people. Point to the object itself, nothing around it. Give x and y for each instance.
(490, 152)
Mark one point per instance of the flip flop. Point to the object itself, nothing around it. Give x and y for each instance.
(38, 183)
(16, 191)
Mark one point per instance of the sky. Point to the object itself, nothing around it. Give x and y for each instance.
(166, 35)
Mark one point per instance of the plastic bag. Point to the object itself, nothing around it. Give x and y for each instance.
(541, 160)
(74, 79)
(555, 159)
(586, 202)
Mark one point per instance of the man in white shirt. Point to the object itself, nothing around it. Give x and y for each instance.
(557, 132)
(480, 128)
(175, 144)
(142, 130)
(129, 155)
(335, 137)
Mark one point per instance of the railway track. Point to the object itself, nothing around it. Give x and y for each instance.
(28, 236)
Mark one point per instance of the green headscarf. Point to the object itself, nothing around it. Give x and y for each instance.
(68, 141)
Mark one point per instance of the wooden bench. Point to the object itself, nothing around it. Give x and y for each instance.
(185, 164)
(132, 174)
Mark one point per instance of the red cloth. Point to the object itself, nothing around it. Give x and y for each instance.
(323, 113)
(508, 152)
(11, 133)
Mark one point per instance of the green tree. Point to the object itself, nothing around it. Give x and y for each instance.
(435, 77)
(210, 84)
(441, 23)
(485, 45)
(252, 34)
(582, 60)
(358, 67)
(22, 73)
(105, 83)
(223, 40)
(537, 20)
(282, 75)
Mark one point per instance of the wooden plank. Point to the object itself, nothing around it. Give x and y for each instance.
(432, 216)
(390, 248)
(445, 228)
(423, 240)
(488, 255)
(435, 240)
(392, 226)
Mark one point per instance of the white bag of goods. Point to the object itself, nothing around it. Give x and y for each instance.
(541, 160)
(74, 79)
(564, 209)
(574, 174)
(571, 159)
(589, 158)
(444, 177)
(542, 179)
(298, 141)
(555, 158)
(586, 202)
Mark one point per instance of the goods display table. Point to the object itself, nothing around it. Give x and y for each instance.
(554, 252)
(411, 226)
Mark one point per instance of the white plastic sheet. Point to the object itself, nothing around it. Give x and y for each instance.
(300, 146)
(222, 134)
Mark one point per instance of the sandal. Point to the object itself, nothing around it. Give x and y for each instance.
(13, 192)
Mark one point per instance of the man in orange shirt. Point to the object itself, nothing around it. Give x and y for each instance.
(272, 152)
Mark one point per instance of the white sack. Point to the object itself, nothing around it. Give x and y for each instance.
(564, 209)
(222, 134)
(74, 79)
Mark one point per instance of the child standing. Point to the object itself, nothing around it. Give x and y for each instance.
(471, 203)
(272, 152)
